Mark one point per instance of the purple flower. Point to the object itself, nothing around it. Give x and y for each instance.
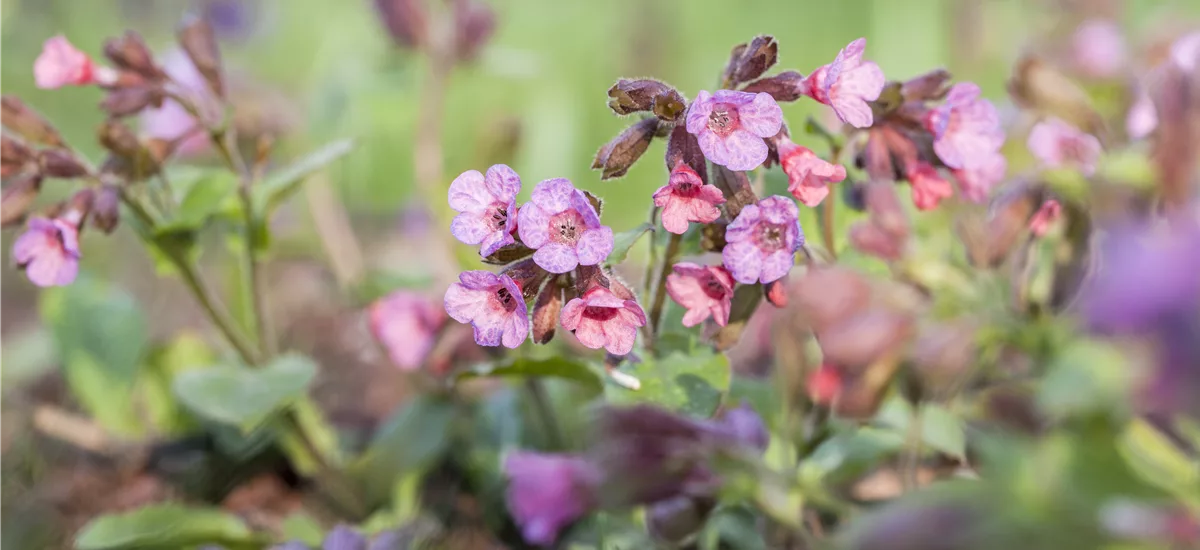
(1056, 143)
(601, 319)
(405, 323)
(487, 206)
(966, 129)
(731, 126)
(744, 426)
(48, 251)
(763, 240)
(171, 121)
(562, 226)
(686, 198)
(976, 182)
(492, 304)
(343, 538)
(547, 492)
(1185, 51)
(847, 85)
(1098, 48)
(1142, 117)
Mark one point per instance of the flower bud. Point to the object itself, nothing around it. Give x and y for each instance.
(197, 39)
(14, 155)
(119, 138)
(631, 96)
(926, 87)
(18, 196)
(474, 22)
(405, 21)
(509, 254)
(829, 295)
(61, 163)
(1037, 86)
(123, 102)
(78, 207)
(545, 312)
(130, 53)
(865, 338)
(106, 209)
(616, 157)
(749, 61)
(19, 118)
(683, 147)
(776, 292)
(784, 87)
(675, 519)
(527, 275)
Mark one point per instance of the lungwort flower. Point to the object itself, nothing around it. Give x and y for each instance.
(731, 126)
(847, 84)
(601, 319)
(487, 206)
(405, 323)
(763, 240)
(562, 226)
(492, 304)
(547, 492)
(686, 198)
(703, 290)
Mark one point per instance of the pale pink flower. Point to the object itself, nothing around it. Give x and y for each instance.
(61, 64)
(809, 176)
(547, 492)
(1098, 48)
(405, 323)
(1142, 117)
(928, 186)
(761, 243)
(171, 121)
(731, 126)
(686, 198)
(600, 319)
(1045, 217)
(487, 207)
(492, 304)
(848, 85)
(703, 290)
(966, 128)
(562, 226)
(1056, 143)
(976, 182)
(1185, 51)
(48, 251)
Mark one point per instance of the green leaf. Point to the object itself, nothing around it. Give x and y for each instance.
(279, 185)
(1088, 377)
(732, 528)
(1154, 458)
(302, 527)
(320, 433)
(187, 351)
(941, 430)
(555, 367)
(414, 437)
(243, 396)
(205, 198)
(691, 384)
(624, 241)
(847, 455)
(166, 526)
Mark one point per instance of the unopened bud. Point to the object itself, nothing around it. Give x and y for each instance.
(130, 53)
(683, 147)
(784, 87)
(776, 292)
(27, 123)
(824, 384)
(619, 288)
(616, 157)
(474, 22)
(528, 276)
(405, 21)
(119, 138)
(749, 61)
(197, 39)
(123, 102)
(18, 196)
(61, 163)
(14, 155)
(926, 87)
(106, 209)
(78, 207)
(545, 312)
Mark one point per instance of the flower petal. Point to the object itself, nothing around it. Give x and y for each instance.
(503, 183)
(469, 193)
(698, 112)
(594, 245)
(470, 228)
(744, 150)
(556, 257)
(762, 117)
(776, 264)
(743, 260)
(533, 225)
(554, 195)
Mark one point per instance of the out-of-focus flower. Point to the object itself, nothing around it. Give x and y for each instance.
(546, 492)
(1056, 143)
(703, 290)
(61, 64)
(731, 126)
(1142, 117)
(601, 319)
(809, 176)
(405, 323)
(824, 384)
(562, 226)
(342, 537)
(966, 128)
(1098, 48)
(492, 304)
(885, 232)
(928, 187)
(474, 22)
(686, 198)
(847, 85)
(171, 121)
(744, 425)
(762, 242)
(1045, 217)
(405, 20)
(18, 196)
(1185, 52)
(487, 206)
(976, 182)
(48, 251)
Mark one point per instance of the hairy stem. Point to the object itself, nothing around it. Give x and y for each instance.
(660, 292)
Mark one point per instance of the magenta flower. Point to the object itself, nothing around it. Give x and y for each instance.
(966, 129)
(487, 206)
(762, 242)
(171, 121)
(492, 304)
(546, 492)
(1041, 221)
(1057, 143)
(928, 187)
(1098, 48)
(562, 226)
(703, 290)
(600, 319)
(976, 182)
(405, 323)
(731, 126)
(809, 176)
(48, 251)
(686, 198)
(847, 85)
(61, 64)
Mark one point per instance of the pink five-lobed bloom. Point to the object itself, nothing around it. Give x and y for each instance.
(171, 121)
(547, 492)
(1045, 217)
(847, 85)
(928, 186)
(492, 304)
(1098, 48)
(405, 323)
(762, 242)
(562, 226)
(704, 290)
(976, 182)
(487, 206)
(601, 319)
(731, 126)
(1056, 143)
(48, 251)
(62, 64)
(966, 128)
(686, 198)
(809, 176)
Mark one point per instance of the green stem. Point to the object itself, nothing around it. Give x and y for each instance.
(660, 292)
(541, 402)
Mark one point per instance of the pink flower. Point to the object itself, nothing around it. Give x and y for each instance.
(48, 251)
(562, 226)
(1185, 51)
(171, 121)
(546, 492)
(703, 290)
(492, 304)
(1142, 117)
(928, 187)
(731, 126)
(1041, 221)
(61, 64)
(762, 242)
(808, 175)
(405, 323)
(487, 206)
(1056, 143)
(600, 319)
(1098, 48)
(966, 129)
(847, 85)
(824, 384)
(686, 198)
(976, 182)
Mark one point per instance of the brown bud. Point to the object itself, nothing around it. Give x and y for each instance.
(749, 61)
(119, 138)
(474, 23)
(785, 86)
(528, 276)
(79, 206)
(712, 237)
(596, 202)
(61, 163)
(106, 209)
(736, 188)
(776, 292)
(618, 155)
(683, 147)
(14, 155)
(926, 87)
(619, 288)
(17, 197)
(829, 295)
(197, 39)
(509, 254)
(123, 102)
(588, 277)
(632, 96)
(130, 53)
(27, 123)
(405, 21)
(545, 312)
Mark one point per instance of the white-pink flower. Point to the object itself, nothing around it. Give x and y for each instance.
(809, 176)
(494, 306)
(1056, 143)
(62, 64)
(703, 290)
(848, 84)
(601, 319)
(48, 251)
(976, 182)
(730, 126)
(928, 186)
(966, 128)
(405, 323)
(1098, 48)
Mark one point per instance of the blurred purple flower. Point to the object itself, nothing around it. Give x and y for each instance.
(743, 425)
(1056, 143)
(686, 198)
(848, 84)
(343, 538)
(966, 128)
(1185, 51)
(1142, 118)
(487, 206)
(405, 323)
(48, 251)
(704, 290)
(492, 304)
(546, 492)
(231, 19)
(1098, 48)
(731, 126)
(601, 319)
(763, 240)
(562, 226)
(809, 176)
(171, 121)
(977, 181)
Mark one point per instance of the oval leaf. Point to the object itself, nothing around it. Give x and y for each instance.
(624, 241)
(692, 384)
(243, 396)
(164, 526)
(555, 367)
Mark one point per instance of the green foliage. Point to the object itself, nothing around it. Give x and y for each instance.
(245, 397)
(416, 435)
(166, 527)
(281, 184)
(693, 384)
(552, 367)
(624, 241)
